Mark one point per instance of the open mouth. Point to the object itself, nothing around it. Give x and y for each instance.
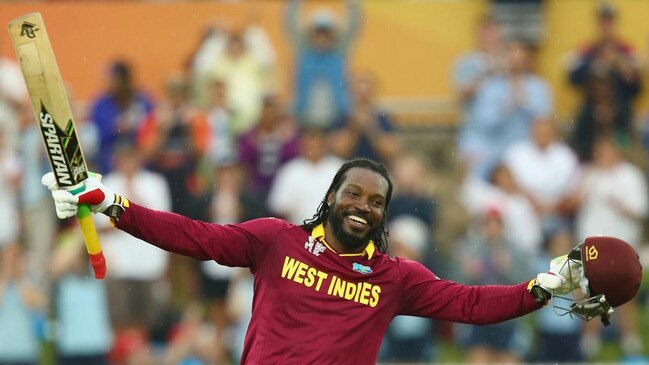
(358, 221)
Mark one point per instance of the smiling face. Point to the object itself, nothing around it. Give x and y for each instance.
(357, 210)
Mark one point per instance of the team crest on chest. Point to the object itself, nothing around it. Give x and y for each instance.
(314, 246)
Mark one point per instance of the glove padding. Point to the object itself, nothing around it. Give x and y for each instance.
(94, 193)
(564, 276)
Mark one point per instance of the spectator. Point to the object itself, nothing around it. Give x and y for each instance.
(488, 258)
(522, 223)
(182, 142)
(21, 303)
(612, 201)
(192, 341)
(10, 175)
(408, 338)
(545, 169)
(558, 337)
(369, 131)
(612, 195)
(13, 100)
(35, 208)
(84, 333)
(227, 207)
(412, 194)
(471, 70)
(295, 192)
(321, 56)
(503, 110)
(133, 267)
(121, 114)
(263, 150)
(244, 60)
(606, 73)
(221, 142)
(240, 310)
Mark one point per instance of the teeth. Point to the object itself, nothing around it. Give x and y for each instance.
(357, 219)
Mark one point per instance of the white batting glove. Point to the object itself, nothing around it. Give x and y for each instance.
(94, 193)
(563, 277)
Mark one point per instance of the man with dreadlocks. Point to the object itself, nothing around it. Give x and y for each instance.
(324, 291)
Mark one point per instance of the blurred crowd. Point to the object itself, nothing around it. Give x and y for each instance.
(223, 146)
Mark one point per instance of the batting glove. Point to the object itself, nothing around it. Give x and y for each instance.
(563, 277)
(94, 193)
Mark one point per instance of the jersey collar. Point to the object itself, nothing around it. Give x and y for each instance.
(318, 233)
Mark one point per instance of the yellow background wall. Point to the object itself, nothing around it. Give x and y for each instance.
(411, 45)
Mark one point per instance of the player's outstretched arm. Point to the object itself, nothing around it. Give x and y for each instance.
(243, 244)
(426, 295)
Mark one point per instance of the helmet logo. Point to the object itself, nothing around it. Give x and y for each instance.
(591, 253)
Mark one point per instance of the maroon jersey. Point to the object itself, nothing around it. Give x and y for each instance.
(314, 306)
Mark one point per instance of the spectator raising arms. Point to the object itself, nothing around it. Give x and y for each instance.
(321, 56)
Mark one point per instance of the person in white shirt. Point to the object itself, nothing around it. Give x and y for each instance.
(521, 222)
(298, 185)
(133, 266)
(612, 201)
(13, 99)
(545, 168)
(613, 196)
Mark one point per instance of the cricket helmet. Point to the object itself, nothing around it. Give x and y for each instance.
(610, 276)
(612, 268)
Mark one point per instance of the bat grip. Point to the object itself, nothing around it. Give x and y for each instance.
(89, 231)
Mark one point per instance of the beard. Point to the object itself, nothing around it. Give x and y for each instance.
(350, 240)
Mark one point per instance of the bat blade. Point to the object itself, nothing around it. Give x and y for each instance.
(49, 99)
(54, 116)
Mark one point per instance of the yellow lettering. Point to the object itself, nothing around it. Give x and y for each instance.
(339, 289)
(359, 286)
(350, 291)
(376, 290)
(321, 277)
(365, 292)
(332, 284)
(290, 264)
(301, 270)
(310, 277)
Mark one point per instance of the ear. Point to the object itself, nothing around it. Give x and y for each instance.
(330, 198)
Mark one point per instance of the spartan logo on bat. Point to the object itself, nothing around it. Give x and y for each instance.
(28, 29)
(63, 149)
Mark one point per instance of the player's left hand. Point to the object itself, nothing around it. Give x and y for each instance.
(564, 276)
(94, 193)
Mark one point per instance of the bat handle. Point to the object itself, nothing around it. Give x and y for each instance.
(92, 241)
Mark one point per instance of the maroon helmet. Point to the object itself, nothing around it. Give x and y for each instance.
(612, 268)
(610, 276)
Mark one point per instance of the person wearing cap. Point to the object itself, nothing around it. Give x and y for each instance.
(607, 75)
(321, 56)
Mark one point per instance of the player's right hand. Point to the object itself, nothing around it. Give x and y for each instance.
(94, 193)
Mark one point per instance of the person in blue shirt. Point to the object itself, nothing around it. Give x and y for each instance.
(120, 114)
(321, 57)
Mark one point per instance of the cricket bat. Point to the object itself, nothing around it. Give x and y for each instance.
(54, 116)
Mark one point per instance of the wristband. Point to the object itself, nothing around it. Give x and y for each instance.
(539, 294)
(117, 208)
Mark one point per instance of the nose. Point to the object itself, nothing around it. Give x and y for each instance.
(363, 205)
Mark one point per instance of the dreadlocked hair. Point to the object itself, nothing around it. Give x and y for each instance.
(381, 238)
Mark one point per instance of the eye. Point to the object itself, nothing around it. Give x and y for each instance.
(352, 193)
(377, 203)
